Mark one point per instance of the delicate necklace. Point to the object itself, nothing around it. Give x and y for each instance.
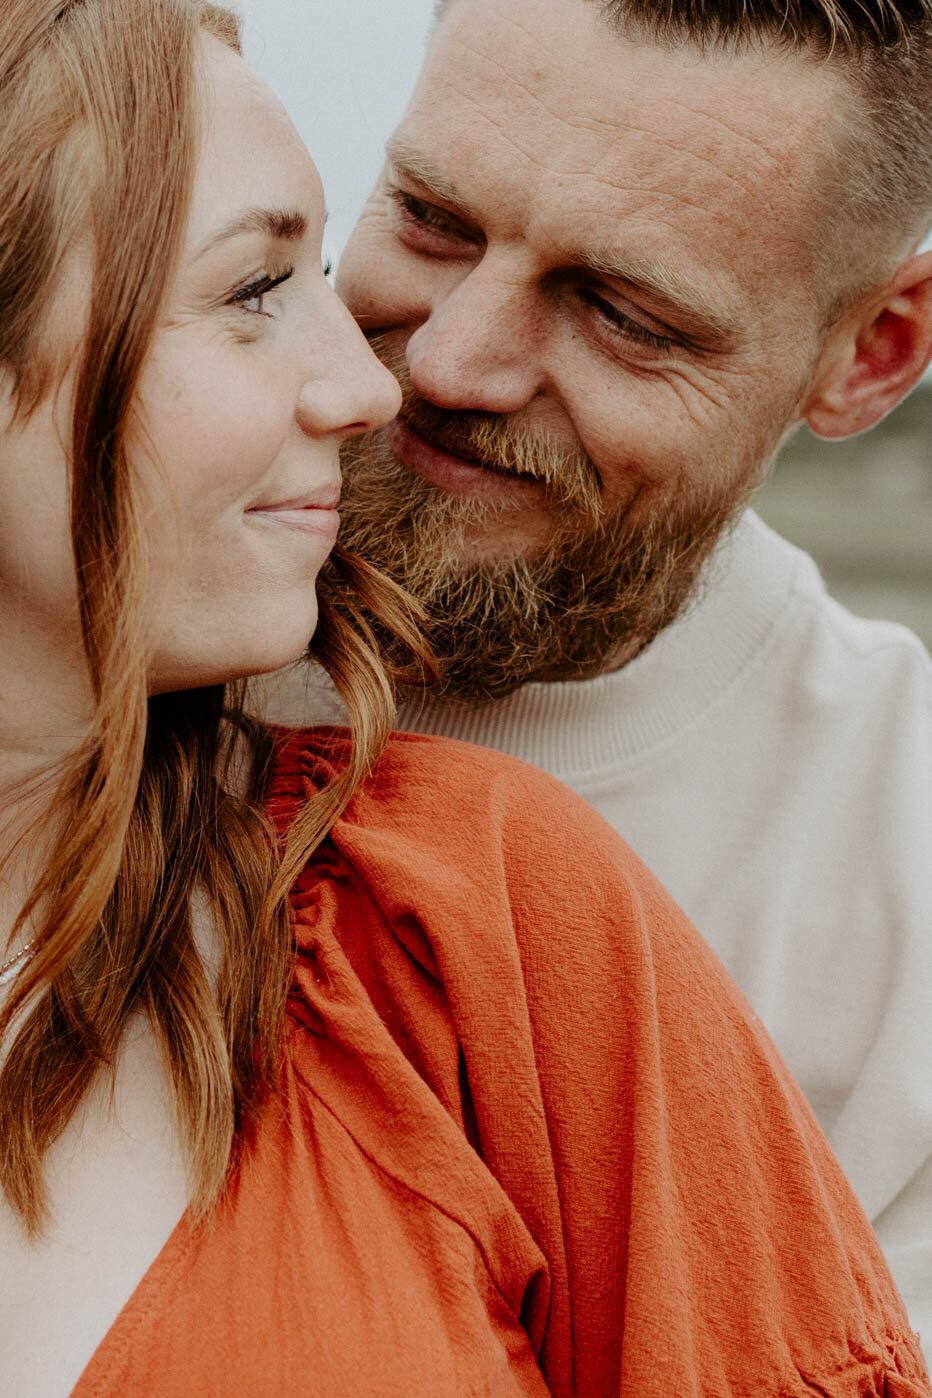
(10, 968)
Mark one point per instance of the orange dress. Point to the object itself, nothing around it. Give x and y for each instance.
(530, 1139)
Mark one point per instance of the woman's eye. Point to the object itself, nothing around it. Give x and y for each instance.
(625, 326)
(251, 297)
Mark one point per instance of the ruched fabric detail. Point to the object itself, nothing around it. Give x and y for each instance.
(530, 1139)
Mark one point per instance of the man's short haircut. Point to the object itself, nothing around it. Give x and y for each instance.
(882, 48)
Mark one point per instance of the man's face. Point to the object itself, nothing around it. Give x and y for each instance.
(593, 258)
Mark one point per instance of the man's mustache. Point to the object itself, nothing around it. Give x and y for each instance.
(499, 442)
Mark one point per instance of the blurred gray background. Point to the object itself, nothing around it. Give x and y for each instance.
(863, 508)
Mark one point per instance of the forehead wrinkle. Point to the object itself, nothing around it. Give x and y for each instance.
(488, 60)
(484, 61)
(644, 192)
(680, 150)
(772, 157)
(405, 154)
(502, 127)
(537, 54)
(613, 130)
(406, 157)
(582, 121)
(700, 204)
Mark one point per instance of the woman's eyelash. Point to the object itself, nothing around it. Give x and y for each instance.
(259, 287)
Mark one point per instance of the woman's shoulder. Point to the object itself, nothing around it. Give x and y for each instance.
(613, 1079)
(472, 847)
(438, 787)
(450, 808)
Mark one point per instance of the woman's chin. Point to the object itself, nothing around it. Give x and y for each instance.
(174, 674)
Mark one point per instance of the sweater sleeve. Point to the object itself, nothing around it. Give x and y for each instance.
(700, 1237)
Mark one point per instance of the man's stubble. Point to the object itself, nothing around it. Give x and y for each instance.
(598, 589)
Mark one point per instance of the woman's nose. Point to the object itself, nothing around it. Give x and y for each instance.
(352, 391)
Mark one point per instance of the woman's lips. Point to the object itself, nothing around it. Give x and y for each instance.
(454, 473)
(322, 521)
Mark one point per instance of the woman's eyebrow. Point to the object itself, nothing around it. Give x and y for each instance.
(290, 225)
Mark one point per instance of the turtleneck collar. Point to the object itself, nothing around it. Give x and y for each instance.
(574, 729)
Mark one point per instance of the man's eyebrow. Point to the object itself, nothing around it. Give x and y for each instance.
(694, 311)
(289, 225)
(407, 160)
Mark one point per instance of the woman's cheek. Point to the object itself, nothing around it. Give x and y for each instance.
(221, 435)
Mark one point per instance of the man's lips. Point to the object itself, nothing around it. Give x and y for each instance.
(458, 474)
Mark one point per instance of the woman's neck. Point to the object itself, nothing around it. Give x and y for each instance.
(46, 712)
(28, 832)
(42, 726)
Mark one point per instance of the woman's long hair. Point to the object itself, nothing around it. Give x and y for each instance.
(99, 126)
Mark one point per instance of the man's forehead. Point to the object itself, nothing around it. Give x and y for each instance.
(551, 107)
(561, 61)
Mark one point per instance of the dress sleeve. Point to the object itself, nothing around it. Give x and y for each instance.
(701, 1240)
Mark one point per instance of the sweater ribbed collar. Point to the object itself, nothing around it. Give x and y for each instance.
(577, 730)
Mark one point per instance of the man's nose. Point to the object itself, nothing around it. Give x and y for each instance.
(479, 348)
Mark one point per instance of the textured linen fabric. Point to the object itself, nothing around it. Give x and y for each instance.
(530, 1138)
(770, 759)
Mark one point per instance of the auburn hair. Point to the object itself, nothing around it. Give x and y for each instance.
(99, 128)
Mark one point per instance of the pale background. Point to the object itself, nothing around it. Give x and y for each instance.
(344, 69)
(864, 509)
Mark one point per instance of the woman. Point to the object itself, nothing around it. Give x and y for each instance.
(475, 1112)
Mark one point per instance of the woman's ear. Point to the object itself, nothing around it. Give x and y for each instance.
(876, 355)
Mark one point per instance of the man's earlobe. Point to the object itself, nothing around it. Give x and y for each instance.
(879, 353)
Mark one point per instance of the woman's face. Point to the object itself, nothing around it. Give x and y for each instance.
(256, 375)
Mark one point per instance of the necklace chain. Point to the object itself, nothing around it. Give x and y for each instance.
(9, 968)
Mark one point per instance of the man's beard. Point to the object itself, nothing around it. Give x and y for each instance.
(596, 591)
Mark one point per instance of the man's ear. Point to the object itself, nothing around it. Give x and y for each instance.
(876, 354)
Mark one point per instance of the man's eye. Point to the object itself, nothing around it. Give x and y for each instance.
(626, 327)
(251, 297)
(427, 221)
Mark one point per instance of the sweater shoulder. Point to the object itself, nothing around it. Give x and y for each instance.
(450, 836)
(439, 791)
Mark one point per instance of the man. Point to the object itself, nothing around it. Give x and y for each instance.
(618, 250)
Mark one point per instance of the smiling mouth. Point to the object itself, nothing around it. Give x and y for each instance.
(322, 521)
(462, 475)
(438, 444)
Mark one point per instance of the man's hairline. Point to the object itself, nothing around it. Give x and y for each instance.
(872, 273)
